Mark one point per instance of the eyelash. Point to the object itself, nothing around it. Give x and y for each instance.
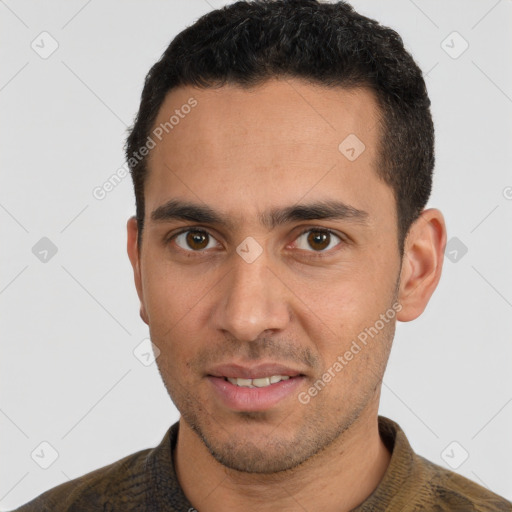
(314, 254)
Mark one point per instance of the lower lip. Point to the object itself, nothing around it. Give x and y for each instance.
(241, 398)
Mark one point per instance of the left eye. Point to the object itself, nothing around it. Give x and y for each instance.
(319, 239)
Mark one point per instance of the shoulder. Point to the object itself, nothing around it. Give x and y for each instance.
(449, 491)
(123, 481)
(144, 480)
(413, 483)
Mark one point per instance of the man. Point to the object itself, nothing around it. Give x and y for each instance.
(282, 159)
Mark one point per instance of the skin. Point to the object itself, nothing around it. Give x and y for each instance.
(243, 152)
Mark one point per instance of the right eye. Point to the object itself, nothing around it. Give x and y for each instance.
(194, 240)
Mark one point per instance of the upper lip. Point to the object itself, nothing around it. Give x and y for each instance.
(252, 372)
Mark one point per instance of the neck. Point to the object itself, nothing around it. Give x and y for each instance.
(338, 479)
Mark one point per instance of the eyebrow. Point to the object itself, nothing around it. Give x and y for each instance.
(320, 210)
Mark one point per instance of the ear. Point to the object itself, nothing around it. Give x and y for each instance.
(422, 263)
(134, 255)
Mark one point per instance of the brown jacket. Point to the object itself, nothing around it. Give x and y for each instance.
(146, 481)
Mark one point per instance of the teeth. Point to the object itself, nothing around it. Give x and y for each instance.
(261, 383)
(258, 383)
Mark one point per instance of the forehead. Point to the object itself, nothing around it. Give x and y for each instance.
(292, 110)
(263, 146)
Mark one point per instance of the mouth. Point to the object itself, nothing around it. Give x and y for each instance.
(259, 382)
(258, 388)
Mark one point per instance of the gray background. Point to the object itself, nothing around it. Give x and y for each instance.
(70, 324)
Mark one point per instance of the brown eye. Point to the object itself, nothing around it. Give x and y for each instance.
(317, 239)
(195, 240)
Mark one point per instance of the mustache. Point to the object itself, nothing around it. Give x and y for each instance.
(266, 348)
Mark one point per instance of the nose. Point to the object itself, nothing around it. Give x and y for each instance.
(252, 300)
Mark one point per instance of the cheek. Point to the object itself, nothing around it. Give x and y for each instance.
(174, 302)
(171, 295)
(347, 306)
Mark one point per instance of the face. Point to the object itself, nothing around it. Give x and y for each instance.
(269, 257)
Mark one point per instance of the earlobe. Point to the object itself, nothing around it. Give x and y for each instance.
(422, 263)
(134, 256)
(143, 314)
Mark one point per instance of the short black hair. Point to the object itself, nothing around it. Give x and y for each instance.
(330, 44)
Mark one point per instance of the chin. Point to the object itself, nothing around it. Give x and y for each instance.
(247, 457)
(262, 448)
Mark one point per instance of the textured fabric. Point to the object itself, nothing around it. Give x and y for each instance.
(146, 481)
